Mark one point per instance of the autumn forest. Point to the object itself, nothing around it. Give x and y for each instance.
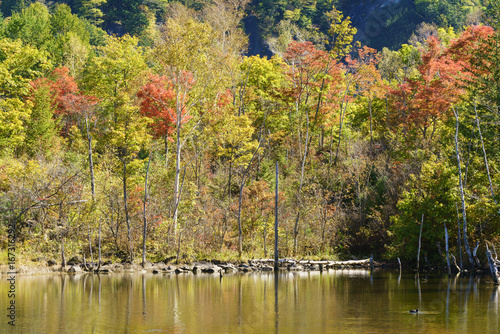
(168, 136)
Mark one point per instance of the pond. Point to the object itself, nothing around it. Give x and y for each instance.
(342, 301)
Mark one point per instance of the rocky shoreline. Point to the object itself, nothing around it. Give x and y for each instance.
(76, 266)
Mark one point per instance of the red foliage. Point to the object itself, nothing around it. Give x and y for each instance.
(163, 98)
(305, 63)
(428, 98)
(157, 103)
(67, 101)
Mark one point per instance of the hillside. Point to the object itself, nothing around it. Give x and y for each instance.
(380, 23)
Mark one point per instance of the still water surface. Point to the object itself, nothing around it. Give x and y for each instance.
(347, 301)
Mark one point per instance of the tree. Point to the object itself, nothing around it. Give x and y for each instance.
(432, 193)
(114, 77)
(31, 25)
(19, 66)
(41, 128)
(128, 13)
(369, 80)
(90, 9)
(182, 55)
(304, 74)
(157, 98)
(427, 99)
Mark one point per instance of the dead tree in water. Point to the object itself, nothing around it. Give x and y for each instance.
(464, 213)
(493, 266)
(420, 243)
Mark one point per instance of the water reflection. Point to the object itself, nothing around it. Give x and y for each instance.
(348, 301)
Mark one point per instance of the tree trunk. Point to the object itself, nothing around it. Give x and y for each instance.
(125, 204)
(276, 221)
(420, 243)
(90, 247)
(177, 171)
(459, 240)
(343, 110)
(484, 153)
(245, 173)
(144, 213)
(91, 163)
(371, 119)
(63, 257)
(302, 168)
(464, 213)
(99, 264)
(240, 231)
(166, 151)
(229, 181)
(493, 266)
(447, 250)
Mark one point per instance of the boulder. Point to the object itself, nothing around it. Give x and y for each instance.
(227, 267)
(212, 269)
(75, 269)
(267, 268)
(75, 260)
(296, 267)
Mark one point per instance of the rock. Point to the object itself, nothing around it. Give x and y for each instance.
(75, 269)
(244, 268)
(267, 268)
(296, 267)
(51, 262)
(105, 271)
(199, 268)
(155, 271)
(75, 260)
(118, 267)
(212, 269)
(227, 267)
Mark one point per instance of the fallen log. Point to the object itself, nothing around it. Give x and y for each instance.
(313, 262)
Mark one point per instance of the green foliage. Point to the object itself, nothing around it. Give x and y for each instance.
(90, 9)
(31, 25)
(234, 140)
(19, 65)
(41, 127)
(14, 114)
(114, 77)
(128, 13)
(433, 194)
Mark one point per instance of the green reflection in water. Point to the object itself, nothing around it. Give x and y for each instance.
(311, 302)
